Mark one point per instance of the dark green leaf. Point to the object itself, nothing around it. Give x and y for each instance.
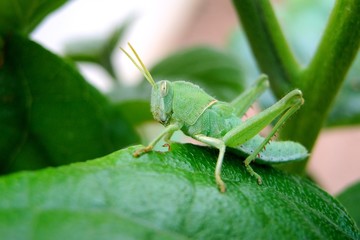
(49, 111)
(29, 156)
(119, 131)
(217, 72)
(12, 115)
(168, 195)
(136, 111)
(24, 15)
(350, 198)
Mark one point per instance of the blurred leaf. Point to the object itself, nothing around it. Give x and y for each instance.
(217, 72)
(350, 198)
(29, 155)
(136, 111)
(121, 93)
(12, 114)
(49, 110)
(96, 50)
(166, 195)
(120, 131)
(24, 15)
(240, 49)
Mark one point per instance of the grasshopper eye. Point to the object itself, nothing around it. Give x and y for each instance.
(164, 89)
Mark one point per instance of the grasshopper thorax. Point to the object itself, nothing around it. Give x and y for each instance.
(161, 101)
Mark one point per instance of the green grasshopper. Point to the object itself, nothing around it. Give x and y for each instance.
(181, 105)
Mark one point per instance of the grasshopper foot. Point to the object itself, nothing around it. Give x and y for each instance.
(253, 173)
(141, 151)
(220, 183)
(168, 146)
(259, 179)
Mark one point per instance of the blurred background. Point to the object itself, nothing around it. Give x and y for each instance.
(159, 27)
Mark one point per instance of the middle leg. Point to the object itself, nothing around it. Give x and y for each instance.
(219, 144)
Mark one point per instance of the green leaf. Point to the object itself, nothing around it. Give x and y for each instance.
(27, 155)
(169, 195)
(62, 224)
(350, 198)
(24, 15)
(135, 111)
(12, 114)
(50, 113)
(217, 72)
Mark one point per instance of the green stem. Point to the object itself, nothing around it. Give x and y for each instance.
(268, 44)
(321, 80)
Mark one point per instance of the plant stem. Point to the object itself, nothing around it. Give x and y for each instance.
(321, 80)
(268, 44)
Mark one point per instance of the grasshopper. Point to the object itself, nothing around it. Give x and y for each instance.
(181, 105)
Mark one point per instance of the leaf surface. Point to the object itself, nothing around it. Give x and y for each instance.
(172, 195)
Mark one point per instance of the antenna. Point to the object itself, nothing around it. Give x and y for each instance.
(141, 67)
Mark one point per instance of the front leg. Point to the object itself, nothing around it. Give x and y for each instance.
(167, 133)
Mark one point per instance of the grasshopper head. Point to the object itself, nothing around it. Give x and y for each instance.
(161, 95)
(161, 101)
